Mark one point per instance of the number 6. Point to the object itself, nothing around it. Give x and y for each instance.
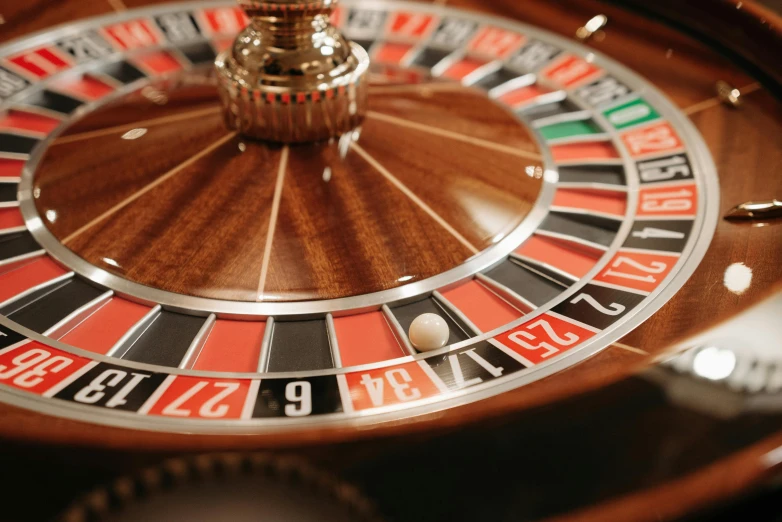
(298, 392)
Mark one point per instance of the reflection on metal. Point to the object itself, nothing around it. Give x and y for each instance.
(592, 29)
(756, 210)
(534, 172)
(134, 134)
(194, 350)
(155, 96)
(737, 366)
(290, 76)
(731, 369)
(111, 262)
(773, 458)
(737, 278)
(728, 94)
(714, 363)
(720, 381)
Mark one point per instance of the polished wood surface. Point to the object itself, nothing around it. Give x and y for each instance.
(680, 66)
(633, 450)
(745, 143)
(669, 469)
(750, 30)
(747, 147)
(342, 226)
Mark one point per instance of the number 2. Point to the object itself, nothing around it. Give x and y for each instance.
(656, 267)
(516, 337)
(613, 310)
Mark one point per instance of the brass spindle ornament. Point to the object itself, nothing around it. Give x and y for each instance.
(290, 76)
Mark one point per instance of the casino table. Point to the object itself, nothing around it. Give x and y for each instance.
(390, 260)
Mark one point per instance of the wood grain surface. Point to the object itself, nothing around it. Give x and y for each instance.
(664, 478)
(686, 71)
(341, 227)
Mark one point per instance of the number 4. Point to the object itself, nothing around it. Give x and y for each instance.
(399, 379)
(657, 233)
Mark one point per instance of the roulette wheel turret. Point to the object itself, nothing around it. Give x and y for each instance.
(526, 252)
(291, 50)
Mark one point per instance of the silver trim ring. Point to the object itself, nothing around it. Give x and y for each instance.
(703, 229)
(300, 309)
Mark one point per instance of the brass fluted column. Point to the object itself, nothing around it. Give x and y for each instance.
(291, 76)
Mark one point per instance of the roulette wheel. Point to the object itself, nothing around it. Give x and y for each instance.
(520, 256)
